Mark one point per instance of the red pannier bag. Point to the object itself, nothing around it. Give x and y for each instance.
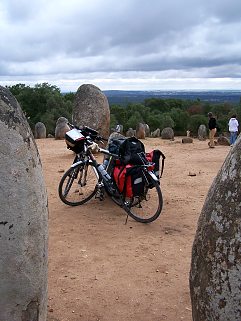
(129, 180)
(121, 180)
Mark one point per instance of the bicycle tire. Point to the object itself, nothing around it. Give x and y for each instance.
(146, 208)
(78, 184)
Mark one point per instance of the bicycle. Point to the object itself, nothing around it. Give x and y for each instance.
(86, 178)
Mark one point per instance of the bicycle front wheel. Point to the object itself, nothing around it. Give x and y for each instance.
(147, 207)
(79, 184)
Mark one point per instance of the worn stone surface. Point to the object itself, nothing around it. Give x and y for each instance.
(140, 131)
(187, 140)
(130, 132)
(23, 218)
(156, 133)
(50, 136)
(222, 140)
(215, 276)
(202, 132)
(167, 133)
(61, 120)
(39, 130)
(61, 128)
(147, 130)
(114, 135)
(91, 108)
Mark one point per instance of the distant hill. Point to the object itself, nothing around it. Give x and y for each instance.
(123, 97)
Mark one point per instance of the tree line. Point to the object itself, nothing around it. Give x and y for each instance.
(45, 103)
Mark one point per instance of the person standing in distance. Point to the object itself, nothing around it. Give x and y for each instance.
(233, 129)
(212, 125)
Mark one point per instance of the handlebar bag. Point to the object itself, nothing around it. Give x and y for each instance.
(75, 140)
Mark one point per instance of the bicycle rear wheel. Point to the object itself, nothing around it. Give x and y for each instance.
(147, 207)
(79, 184)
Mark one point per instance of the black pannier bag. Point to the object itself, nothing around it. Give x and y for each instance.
(115, 144)
(75, 140)
(154, 157)
(113, 147)
(132, 151)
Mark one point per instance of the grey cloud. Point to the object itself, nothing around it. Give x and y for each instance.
(55, 37)
(20, 10)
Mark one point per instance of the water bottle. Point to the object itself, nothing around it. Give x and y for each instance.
(107, 180)
(104, 174)
(105, 163)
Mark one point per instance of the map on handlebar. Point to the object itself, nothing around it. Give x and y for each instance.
(87, 131)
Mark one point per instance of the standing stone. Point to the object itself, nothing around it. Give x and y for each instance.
(215, 276)
(40, 130)
(130, 132)
(167, 133)
(156, 133)
(113, 136)
(147, 130)
(140, 131)
(202, 132)
(23, 218)
(61, 128)
(91, 108)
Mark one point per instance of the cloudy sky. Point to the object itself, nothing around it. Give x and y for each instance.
(127, 44)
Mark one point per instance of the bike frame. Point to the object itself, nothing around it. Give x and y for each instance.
(106, 182)
(91, 159)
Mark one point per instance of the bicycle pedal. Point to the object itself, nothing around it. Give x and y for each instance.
(100, 195)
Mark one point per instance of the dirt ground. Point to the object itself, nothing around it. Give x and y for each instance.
(100, 268)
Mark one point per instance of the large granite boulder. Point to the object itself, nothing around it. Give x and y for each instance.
(140, 131)
(91, 108)
(187, 140)
(222, 140)
(39, 130)
(167, 133)
(23, 218)
(61, 128)
(215, 276)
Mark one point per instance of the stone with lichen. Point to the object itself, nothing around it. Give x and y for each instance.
(91, 108)
(23, 218)
(215, 275)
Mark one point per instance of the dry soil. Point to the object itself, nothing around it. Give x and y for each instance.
(100, 268)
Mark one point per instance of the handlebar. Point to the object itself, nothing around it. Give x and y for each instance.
(89, 133)
(106, 152)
